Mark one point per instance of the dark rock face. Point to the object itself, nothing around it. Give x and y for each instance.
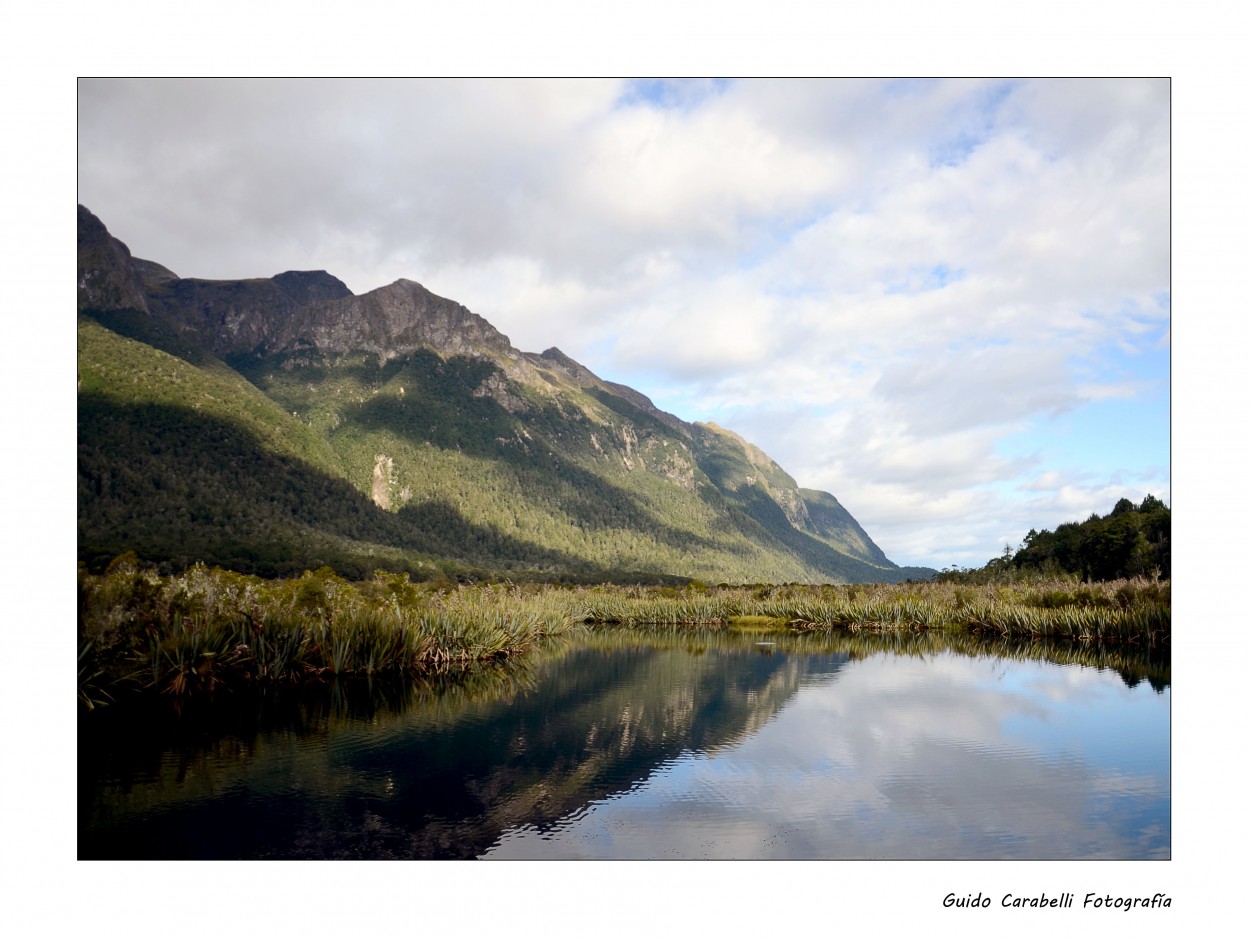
(311, 286)
(295, 311)
(106, 275)
(151, 273)
(392, 321)
(230, 317)
(225, 316)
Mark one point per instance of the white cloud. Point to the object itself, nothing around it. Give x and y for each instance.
(908, 273)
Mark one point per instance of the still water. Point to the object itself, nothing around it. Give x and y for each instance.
(668, 745)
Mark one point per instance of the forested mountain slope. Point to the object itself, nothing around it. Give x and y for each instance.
(272, 425)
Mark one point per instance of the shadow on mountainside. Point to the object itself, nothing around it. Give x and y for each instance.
(137, 325)
(174, 485)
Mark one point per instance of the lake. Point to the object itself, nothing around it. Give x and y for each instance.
(663, 744)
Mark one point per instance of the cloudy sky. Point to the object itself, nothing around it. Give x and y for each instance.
(945, 302)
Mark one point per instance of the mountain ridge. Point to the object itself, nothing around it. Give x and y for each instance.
(466, 450)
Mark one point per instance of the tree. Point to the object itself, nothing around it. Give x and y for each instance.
(1130, 541)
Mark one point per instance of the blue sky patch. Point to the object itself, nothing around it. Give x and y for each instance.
(680, 94)
(922, 279)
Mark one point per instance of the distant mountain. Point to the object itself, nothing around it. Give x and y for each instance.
(277, 424)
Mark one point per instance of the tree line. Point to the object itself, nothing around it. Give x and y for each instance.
(1131, 541)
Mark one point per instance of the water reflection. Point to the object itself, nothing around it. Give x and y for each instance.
(945, 757)
(674, 743)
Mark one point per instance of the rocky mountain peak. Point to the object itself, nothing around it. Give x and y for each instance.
(585, 378)
(151, 273)
(297, 310)
(399, 318)
(311, 286)
(575, 370)
(106, 275)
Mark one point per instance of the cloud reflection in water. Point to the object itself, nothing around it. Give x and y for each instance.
(944, 757)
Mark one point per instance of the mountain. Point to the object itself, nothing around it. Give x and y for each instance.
(273, 425)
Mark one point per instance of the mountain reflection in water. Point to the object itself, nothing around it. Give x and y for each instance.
(670, 744)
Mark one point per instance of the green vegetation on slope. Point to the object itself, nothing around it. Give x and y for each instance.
(180, 463)
(609, 488)
(399, 431)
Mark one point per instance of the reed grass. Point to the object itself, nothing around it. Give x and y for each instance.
(195, 632)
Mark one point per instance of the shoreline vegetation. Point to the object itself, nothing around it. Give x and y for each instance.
(206, 628)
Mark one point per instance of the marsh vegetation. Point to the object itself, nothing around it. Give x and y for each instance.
(192, 632)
